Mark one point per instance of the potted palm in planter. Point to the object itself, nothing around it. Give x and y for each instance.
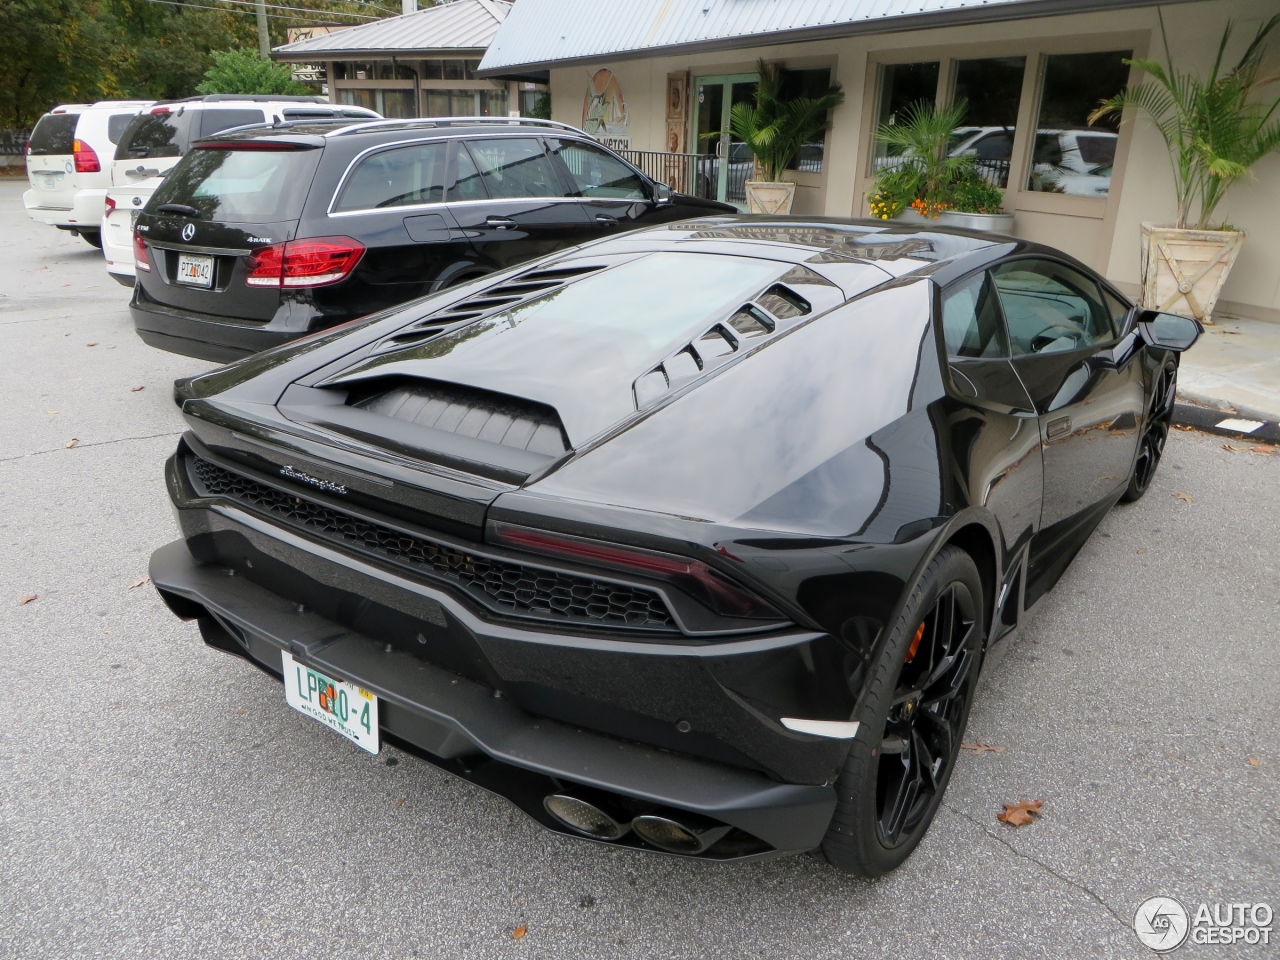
(774, 129)
(921, 180)
(1215, 132)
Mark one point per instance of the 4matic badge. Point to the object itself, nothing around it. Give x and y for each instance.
(329, 485)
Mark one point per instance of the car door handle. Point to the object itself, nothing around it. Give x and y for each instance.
(606, 221)
(1057, 428)
(502, 223)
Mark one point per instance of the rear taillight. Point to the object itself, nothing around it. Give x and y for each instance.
(86, 159)
(109, 205)
(140, 259)
(160, 110)
(693, 576)
(26, 150)
(303, 263)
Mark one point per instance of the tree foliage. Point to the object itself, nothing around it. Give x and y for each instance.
(77, 51)
(1214, 127)
(245, 71)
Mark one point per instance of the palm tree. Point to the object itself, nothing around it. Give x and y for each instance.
(1213, 128)
(775, 129)
(920, 142)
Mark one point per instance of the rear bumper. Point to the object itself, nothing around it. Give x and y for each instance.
(117, 243)
(461, 726)
(85, 212)
(208, 338)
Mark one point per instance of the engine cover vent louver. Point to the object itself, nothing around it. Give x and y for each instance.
(467, 412)
(505, 295)
(760, 318)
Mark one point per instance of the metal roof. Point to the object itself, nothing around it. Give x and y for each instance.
(457, 27)
(542, 33)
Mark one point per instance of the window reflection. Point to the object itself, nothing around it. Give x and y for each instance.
(901, 85)
(1070, 156)
(993, 89)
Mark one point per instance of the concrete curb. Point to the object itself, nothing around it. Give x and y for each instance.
(1238, 424)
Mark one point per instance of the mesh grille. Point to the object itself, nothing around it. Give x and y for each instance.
(507, 587)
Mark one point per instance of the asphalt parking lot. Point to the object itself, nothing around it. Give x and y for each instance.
(159, 799)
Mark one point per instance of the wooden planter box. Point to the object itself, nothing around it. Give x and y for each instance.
(764, 196)
(1183, 270)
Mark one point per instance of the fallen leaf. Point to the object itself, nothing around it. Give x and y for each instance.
(28, 598)
(1267, 450)
(139, 582)
(1184, 497)
(136, 389)
(400, 802)
(1020, 814)
(72, 442)
(51, 412)
(979, 747)
(92, 343)
(1252, 761)
(520, 931)
(1142, 550)
(1183, 427)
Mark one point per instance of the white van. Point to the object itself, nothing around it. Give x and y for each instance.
(68, 163)
(158, 137)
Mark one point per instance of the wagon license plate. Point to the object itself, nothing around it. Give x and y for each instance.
(197, 271)
(344, 707)
(50, 183)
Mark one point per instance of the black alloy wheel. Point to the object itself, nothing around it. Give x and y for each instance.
(926, 719)
(1154, 435)
(912, 721)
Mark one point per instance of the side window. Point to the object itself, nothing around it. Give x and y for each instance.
(396, 178)
(600, 174)
(116, 124)
(1117, 309)
(1050, 307)
(971, 319)
(466, 184)
(515, 167)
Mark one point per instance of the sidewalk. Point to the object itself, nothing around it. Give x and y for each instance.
(1234, 366)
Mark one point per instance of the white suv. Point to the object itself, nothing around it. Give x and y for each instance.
(67, 158)
(157, 138)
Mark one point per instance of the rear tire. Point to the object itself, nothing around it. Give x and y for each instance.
(912, 721)
(92, 237)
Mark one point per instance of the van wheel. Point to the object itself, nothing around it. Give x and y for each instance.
(912, 721)
(92, 237)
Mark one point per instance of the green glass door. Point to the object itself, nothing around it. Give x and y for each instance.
(725, 163)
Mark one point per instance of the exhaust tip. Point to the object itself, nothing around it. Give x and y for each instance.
(688, 835)
(586, 818)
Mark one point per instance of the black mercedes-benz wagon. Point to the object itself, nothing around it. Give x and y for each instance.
(692, 540)
(267, 233)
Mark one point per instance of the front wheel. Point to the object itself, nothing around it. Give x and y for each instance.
(912, 721)
(1154, 435)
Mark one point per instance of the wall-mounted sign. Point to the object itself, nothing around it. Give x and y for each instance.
(604, 111)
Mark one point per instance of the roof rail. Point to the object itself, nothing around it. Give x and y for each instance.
(451, 122)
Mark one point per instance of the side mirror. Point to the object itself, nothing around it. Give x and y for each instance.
(662, 193)
(1168, 331)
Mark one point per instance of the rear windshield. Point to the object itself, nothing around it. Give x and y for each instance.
(53, 134)
(154, 135)
(240, 186)
(215, 121)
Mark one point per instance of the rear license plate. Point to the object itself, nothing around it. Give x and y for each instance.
(197, 271)
(50, 183)
(350, 710)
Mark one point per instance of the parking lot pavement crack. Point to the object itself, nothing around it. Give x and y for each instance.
(83, 446)
(1075, 884)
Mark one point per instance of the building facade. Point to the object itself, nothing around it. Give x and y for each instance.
(1031, 73)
